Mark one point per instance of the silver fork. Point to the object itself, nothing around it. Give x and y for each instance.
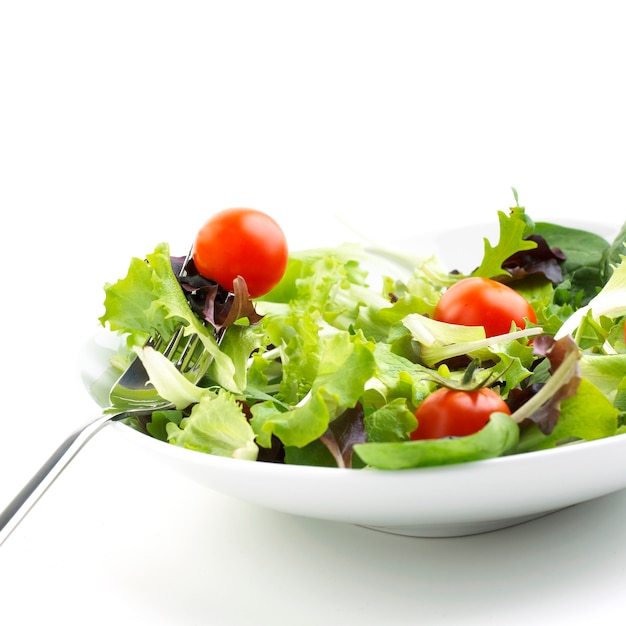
(130, 396)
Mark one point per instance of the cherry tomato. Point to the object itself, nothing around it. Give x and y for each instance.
(484, 302)
(454, 413)
(241, 242)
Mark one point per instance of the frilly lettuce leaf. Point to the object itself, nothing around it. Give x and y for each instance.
(216, 425)
(346, 364)
(149, 299)
(130, 303)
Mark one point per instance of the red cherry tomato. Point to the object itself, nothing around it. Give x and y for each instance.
(484, 302)
(454, 413)
(241, 242)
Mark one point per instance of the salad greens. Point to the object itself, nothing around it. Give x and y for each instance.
(328, 369)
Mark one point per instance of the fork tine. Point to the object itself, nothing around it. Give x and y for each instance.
(172, 345)
(188, 352)
(190, 356)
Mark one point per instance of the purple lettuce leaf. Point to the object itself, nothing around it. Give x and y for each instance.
(542, 260)
(210, 301)
(343, 433)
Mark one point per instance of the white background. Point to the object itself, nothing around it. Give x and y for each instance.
(123, 124)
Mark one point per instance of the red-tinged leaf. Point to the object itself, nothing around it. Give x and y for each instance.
(240, 305)
(544, 407)
(540, 260)
(343, 433)
(213, 303)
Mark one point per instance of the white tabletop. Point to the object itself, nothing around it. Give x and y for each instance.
(124, 124)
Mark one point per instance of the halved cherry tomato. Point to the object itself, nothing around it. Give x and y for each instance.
(242, 242)
(456, 413)
(477, 301)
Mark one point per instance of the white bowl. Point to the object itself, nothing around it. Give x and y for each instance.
(444, 501)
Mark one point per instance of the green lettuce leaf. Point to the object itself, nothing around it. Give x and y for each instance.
(391, 422)
(216, 425)
(586, 416)
(497, 438)
(346, 364)
(149, 299)
(606, 371)
(170, 384)
(513, 229)
(440, 340)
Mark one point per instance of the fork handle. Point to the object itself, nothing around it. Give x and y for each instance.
(23, 502)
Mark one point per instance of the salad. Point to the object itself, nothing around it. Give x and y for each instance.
(356, 357)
